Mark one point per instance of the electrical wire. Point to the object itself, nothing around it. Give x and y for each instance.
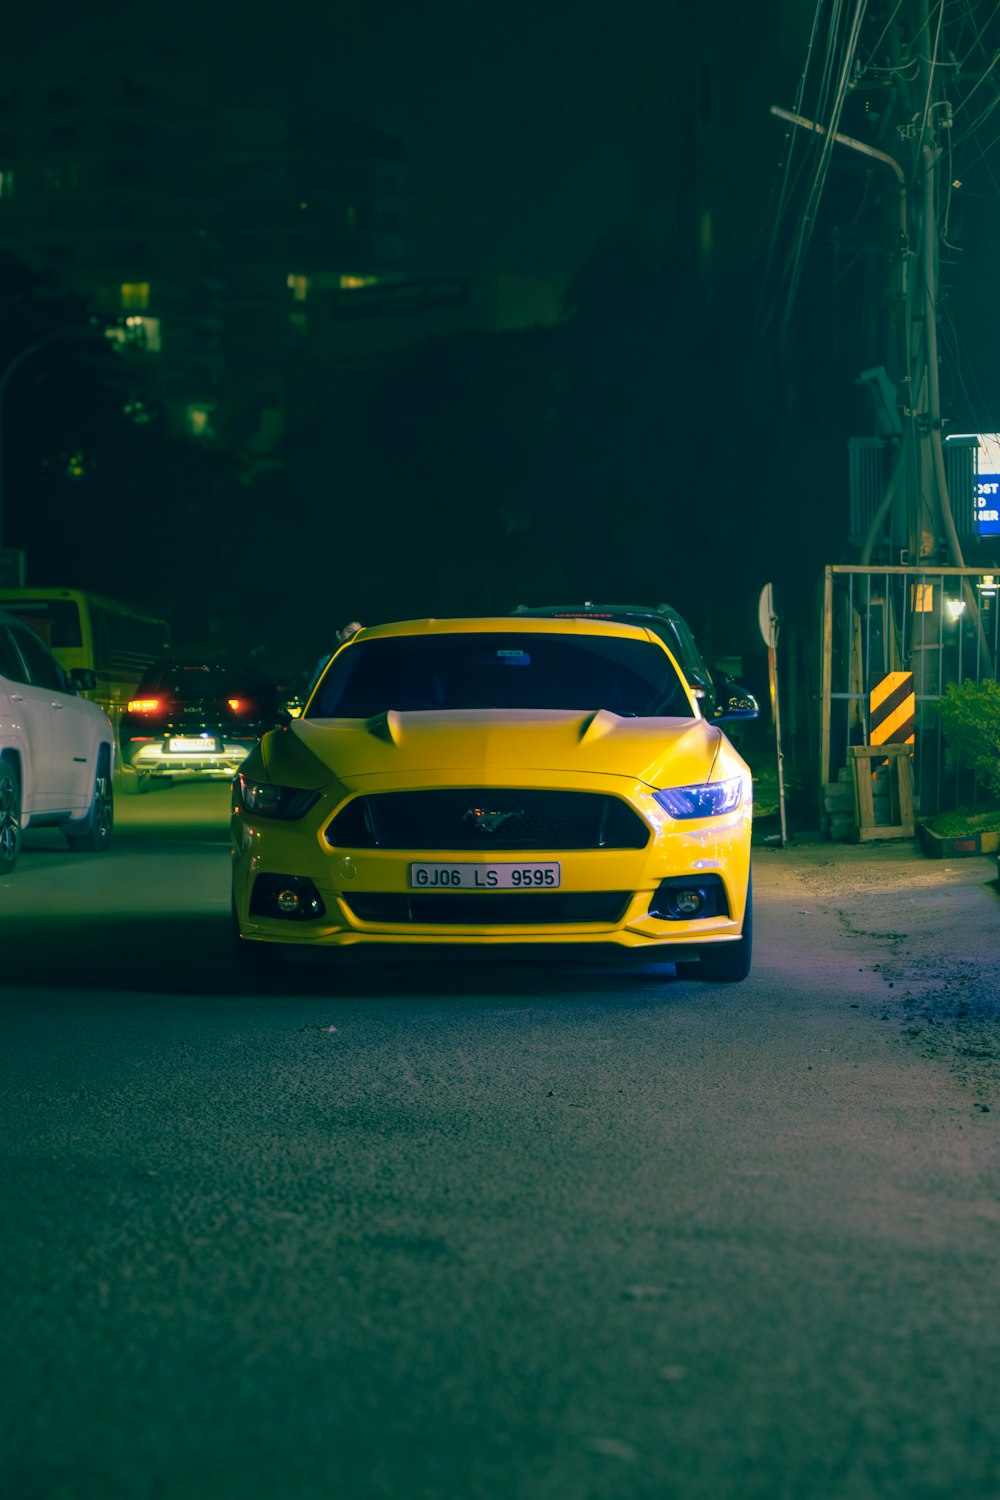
(977, 39)
(885, 32)
(819, 156)
(808, 218)
(789, 144)
(977, 406)
(930, 80)
(984, 116)
(983, 153)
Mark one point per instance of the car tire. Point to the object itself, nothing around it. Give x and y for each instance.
(92, 835)
(10, 816)
(729, 963)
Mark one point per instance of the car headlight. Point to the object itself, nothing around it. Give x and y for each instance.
(705, 801)
(270, 801)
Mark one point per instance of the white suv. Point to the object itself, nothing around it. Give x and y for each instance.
(56, 748)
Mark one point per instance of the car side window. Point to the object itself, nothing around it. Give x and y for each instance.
(11, 665)
(43, 669)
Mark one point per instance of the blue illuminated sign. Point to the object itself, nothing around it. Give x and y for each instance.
(988, 505)
(987, 479)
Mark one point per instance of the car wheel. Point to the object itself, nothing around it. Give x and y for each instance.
(10, 817)
(93, 835)
(730, 962)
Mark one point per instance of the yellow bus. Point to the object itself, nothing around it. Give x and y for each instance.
(115, 640)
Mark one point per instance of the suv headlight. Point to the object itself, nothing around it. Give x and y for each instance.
(705, 801)
(269, 801)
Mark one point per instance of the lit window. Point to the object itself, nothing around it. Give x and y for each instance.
(147, 332)
(922, 598)
(348, 283)
(137, 332)
(135, 295)
(199, 421)
(298, 286)
(138, 411)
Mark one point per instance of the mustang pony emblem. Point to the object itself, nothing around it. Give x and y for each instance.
(489, 822)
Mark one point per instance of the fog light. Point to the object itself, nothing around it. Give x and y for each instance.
(689, 903)
(680, 898)
(293, 897)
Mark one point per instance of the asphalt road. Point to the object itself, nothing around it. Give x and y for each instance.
(493, 1233)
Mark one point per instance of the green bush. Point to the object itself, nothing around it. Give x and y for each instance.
(964, 821)
(970, 718)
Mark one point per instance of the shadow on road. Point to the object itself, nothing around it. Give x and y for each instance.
(196, 954)
(152, 917)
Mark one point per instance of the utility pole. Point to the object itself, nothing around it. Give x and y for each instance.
(917, 489)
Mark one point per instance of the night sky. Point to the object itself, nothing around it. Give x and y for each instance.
(658, 452)
(528, 128)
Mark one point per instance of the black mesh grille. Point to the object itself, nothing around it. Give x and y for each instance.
(488, 819)
(522, 909)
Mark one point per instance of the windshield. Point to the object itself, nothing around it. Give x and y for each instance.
(196, 681)
(499, 670)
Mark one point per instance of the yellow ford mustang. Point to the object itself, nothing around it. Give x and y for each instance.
(506, 783)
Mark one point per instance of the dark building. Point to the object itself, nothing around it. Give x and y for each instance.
(192, 227)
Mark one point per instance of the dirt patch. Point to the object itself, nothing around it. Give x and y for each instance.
(937, 924)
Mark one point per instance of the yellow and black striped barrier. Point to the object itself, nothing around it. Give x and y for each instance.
(891, 709)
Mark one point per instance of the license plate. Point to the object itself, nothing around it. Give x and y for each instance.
(205, 747)
(480, 877)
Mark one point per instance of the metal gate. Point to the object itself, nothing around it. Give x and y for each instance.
(893, 638)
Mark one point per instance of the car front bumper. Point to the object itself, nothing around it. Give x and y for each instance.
(361, 891)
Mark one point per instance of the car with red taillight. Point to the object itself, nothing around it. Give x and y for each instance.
(194, 719)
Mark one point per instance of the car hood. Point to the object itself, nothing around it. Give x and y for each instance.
(656, 751)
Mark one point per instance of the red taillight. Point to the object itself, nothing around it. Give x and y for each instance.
(245, 707)
(147, 705)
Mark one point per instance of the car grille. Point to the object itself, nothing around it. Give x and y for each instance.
(526, 909)
(487, 819)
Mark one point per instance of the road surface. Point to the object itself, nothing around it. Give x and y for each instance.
(493, 1233)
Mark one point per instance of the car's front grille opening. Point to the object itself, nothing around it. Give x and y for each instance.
(487, 818)
(520, 909)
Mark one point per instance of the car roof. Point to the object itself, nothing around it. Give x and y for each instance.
(507, 624)
(590, 610)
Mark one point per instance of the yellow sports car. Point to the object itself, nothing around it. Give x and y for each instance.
(500, 784)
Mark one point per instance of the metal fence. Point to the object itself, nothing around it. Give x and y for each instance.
(890, 632)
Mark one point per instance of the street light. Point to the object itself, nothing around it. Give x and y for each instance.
(19, 358)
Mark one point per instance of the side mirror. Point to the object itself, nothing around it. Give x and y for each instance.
(82, 679)
(737, 704)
